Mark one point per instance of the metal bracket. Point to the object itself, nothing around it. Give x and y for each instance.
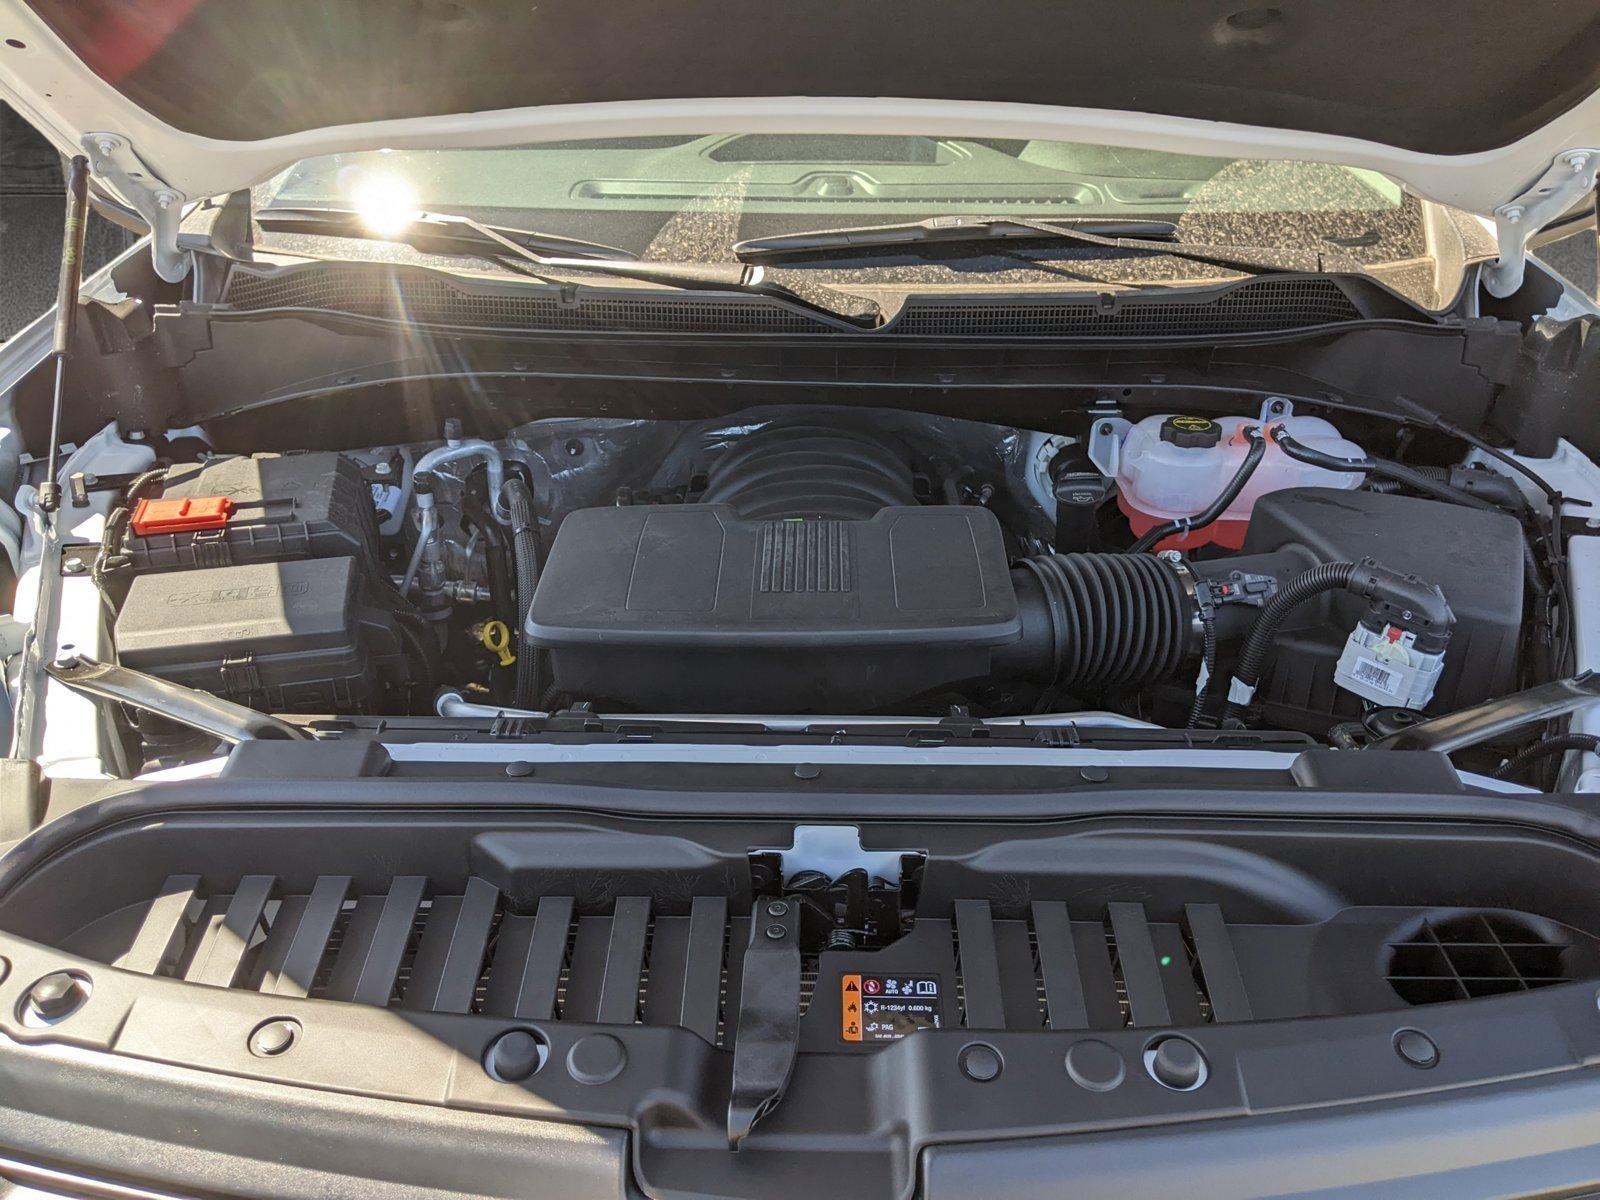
(1106, 435)
(1275, 408)
(1516, 224)
(115, 160)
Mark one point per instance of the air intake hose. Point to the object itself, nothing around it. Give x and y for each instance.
(1093, 622)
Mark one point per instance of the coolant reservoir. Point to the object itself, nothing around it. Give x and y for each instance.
(1174, 466)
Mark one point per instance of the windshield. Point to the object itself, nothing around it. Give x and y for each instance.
(694, 197)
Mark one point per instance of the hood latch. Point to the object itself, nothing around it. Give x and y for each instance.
(1517, 223)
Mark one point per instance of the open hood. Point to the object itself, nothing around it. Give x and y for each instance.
(1479, 104)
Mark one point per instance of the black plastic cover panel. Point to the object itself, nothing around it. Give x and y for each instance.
(292, 637)
(1445, 79)
(653, 601)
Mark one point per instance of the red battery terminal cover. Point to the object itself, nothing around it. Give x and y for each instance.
(187, 515)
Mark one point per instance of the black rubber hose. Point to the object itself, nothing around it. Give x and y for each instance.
(1214, 510)
(1540, 750)
(503, 601)
(525, 550)
(1208, 656)
(1097, 621)
(1418, 480)
(1411, 477)
(110, 556)
(1328, 577)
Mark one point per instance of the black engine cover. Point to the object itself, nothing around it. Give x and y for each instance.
(698, 609)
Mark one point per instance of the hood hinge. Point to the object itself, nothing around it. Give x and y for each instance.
(114, 159)
(1570, 176)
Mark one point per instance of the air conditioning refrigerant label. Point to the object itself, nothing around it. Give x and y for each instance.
(884, 1008)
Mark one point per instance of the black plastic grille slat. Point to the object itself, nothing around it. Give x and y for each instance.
(375, 943)
(413, 294)
(734, 946)
(162, 930)
(529, 953)
(295, 945)
(219, 957)
(686, 968)
(983, 1002)
(1218, 963)
(1185, 1002)
(619, 989)
(1065, 1005)
(1139, 970)
(450, 956)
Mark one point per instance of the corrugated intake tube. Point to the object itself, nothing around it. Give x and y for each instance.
(1098, 621)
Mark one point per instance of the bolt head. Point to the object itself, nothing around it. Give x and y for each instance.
(57, 996)
(776, 933)
(777, 909)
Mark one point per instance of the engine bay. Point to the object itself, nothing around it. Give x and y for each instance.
(1264, 569)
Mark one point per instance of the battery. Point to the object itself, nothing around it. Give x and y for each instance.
(279, 507)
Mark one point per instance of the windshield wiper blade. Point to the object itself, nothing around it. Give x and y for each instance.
(1155, 237)
(942, 229)
(451, 233)
(428, 230)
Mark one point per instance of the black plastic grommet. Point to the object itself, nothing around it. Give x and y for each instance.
(1095, 1066)
(515, 1055)
(597, 1058)
(981, 1062)
(272, 1038)
(1416, 1048)
(1176, 1063)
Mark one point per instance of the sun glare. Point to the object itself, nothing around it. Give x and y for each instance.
(386, 203)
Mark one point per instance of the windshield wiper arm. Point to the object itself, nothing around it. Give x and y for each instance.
(451, 233)
(1156, 237)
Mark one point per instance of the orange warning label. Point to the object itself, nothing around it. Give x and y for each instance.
(850, 1008)
(885, 1008)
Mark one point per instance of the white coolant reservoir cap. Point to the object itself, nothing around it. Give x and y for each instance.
(1174, 465)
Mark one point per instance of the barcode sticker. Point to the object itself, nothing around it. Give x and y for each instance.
(1375, 675)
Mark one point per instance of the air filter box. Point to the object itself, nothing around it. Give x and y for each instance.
(1474, 556)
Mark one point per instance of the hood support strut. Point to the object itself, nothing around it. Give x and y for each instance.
(1516, 224)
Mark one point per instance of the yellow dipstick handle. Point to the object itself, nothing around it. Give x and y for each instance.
(496, 639)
